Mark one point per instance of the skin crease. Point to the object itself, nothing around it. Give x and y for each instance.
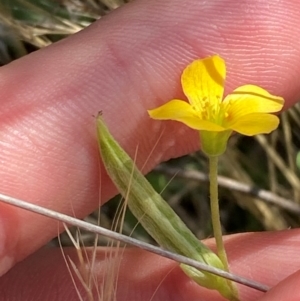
(123, 64)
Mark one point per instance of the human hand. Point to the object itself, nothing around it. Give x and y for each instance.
(126, 63)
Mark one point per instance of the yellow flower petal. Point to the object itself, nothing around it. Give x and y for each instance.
(254, 124)
(250, 99)
(203, 82)
(183, 112)
(246, 110)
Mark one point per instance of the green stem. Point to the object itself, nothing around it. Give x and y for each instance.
(215, 217)
(215, 210)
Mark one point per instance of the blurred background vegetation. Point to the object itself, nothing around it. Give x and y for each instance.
(259, 187)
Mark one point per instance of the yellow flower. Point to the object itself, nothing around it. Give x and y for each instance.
(246, 110)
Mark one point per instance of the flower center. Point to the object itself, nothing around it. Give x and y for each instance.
(211, 110)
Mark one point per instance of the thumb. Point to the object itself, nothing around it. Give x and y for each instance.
(126, 63)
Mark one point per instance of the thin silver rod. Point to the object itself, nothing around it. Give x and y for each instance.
(129, 240)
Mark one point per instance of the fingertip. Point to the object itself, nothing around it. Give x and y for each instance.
(288, 289)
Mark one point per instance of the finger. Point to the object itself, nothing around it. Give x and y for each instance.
(267, 257)
(126, 63)
(288, 289)
(135, 275)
